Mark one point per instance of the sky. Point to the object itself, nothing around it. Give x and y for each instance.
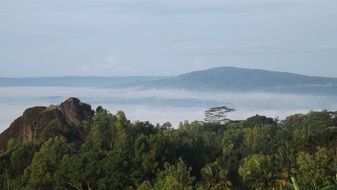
(157, 37)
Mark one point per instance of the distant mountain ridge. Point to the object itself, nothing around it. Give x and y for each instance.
(239, 79)
(215, 79)
(76, 81)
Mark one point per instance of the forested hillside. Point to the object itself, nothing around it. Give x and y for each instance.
(114, 153)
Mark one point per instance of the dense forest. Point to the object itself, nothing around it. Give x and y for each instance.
(299, 152)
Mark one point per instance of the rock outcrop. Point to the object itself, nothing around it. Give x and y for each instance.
(35, 122)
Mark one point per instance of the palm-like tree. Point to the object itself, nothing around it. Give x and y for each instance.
(215, 177)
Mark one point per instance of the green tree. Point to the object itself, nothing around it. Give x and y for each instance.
(81, 170)
(12, 143)
(259, 139)
(103, 129)
(146, 185)
(315, 170)
(175, 177)
(123, 137)
(257, 171)
(215, 177)
(45, 162)
(56, 128)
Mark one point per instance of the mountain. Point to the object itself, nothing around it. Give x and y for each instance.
(243, 80)
(216, 79)
(77, 81)
(36, 122)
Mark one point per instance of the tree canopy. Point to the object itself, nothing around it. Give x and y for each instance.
(257, 153)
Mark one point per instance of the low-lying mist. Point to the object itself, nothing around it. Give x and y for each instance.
(159, 106)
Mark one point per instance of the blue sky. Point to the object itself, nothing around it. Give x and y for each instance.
(156, 37)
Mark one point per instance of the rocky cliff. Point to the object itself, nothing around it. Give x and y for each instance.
(37, 122)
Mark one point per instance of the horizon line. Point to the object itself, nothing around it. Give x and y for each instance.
(168, 76)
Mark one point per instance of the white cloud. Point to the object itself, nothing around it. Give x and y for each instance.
(112, 64)
(84, 68)
(14, 100)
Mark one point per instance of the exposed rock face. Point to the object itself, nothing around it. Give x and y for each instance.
(74, 111)
(34, 121)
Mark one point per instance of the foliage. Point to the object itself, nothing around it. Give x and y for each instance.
(257, 153)
(314, 170)
(256, 171)
(51, 107)
(11, 144)
(175, 177)
(214, 177)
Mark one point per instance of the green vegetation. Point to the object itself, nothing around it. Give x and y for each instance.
(52, 107)
(258, 153)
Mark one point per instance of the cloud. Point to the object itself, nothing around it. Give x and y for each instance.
(112, 64)
(165, 37)
(84, 69)
(16, 100)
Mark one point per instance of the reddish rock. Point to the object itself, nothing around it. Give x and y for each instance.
(34, 121)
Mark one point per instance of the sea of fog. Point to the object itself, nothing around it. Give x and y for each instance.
(159, 106)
